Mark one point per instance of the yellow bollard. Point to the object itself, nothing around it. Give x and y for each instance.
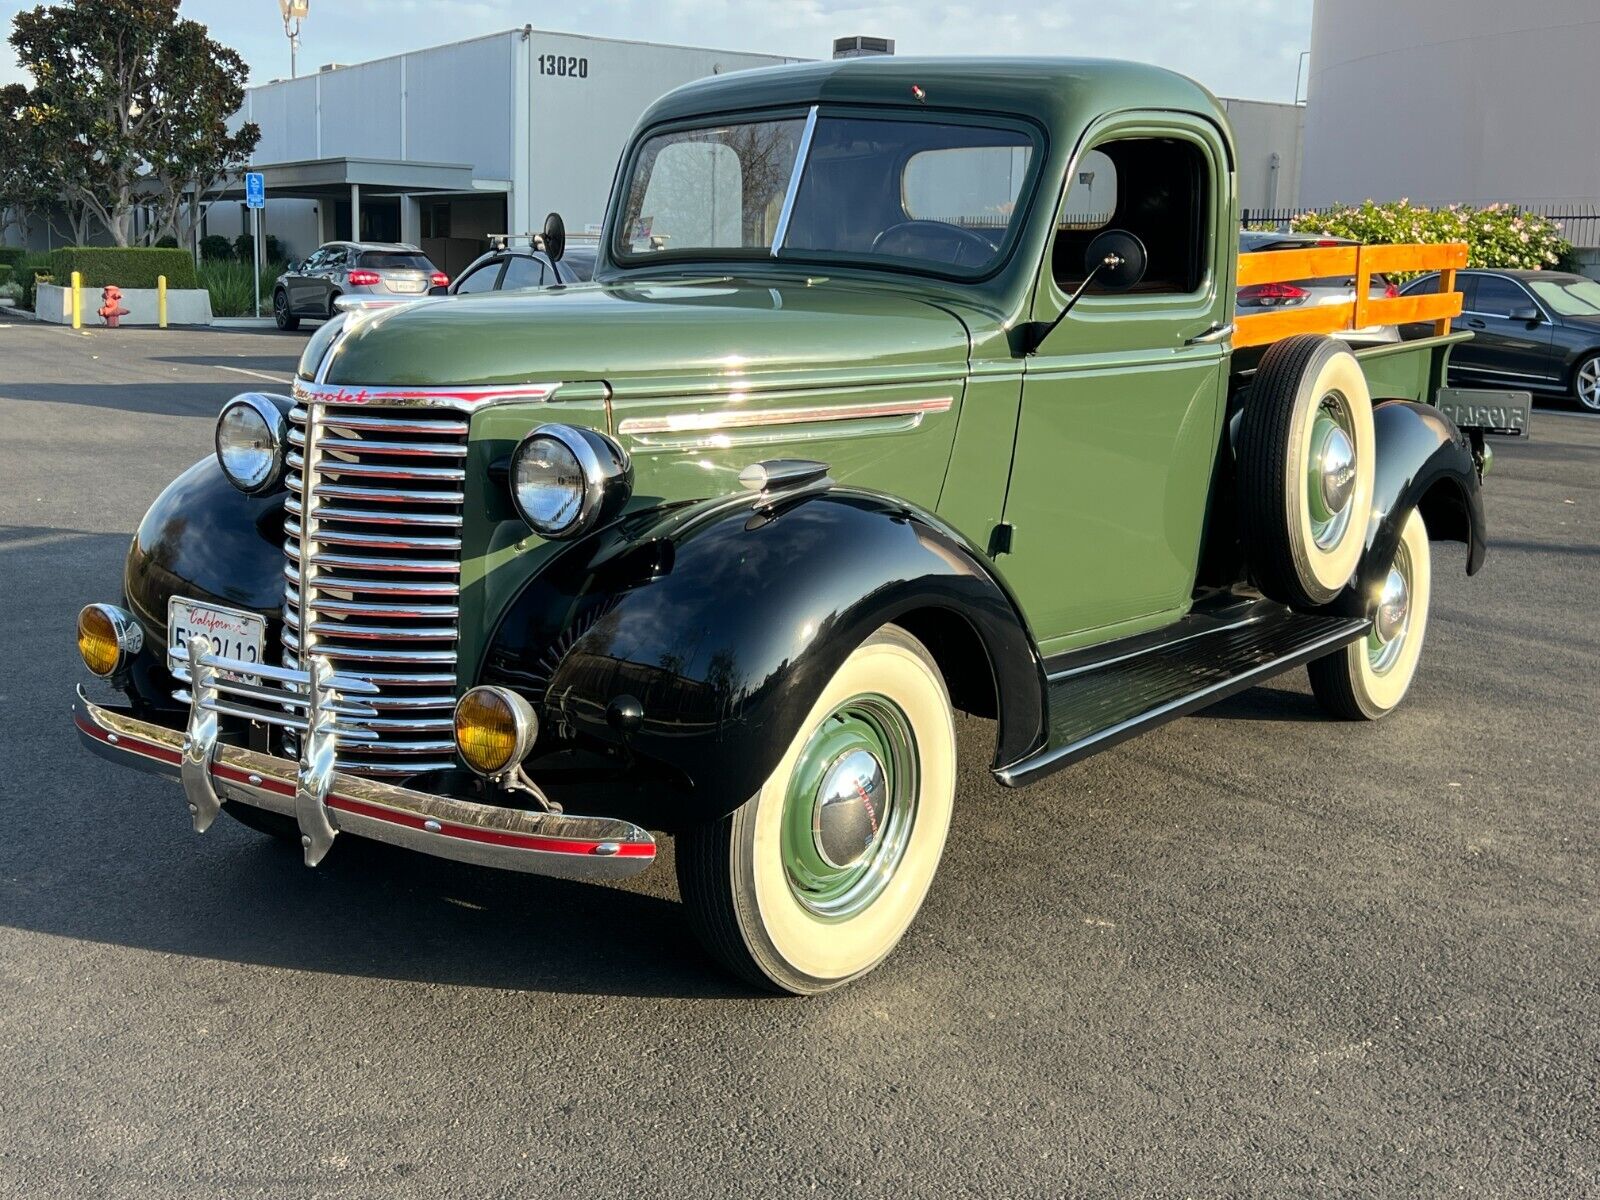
(161, 301)
(77, 300)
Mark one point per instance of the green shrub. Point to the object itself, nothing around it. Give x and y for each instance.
(214, 247)
(244, 250)
(12, 256)
(167, 243)
(231, 289)
(1499, 235)
(125, 266)
(6, 272)
(33, 269)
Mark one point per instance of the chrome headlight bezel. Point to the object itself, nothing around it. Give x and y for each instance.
(605, 479)
(275, 425)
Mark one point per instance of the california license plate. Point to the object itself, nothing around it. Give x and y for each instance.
(236, 634)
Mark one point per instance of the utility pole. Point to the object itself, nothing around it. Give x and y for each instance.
(294, 11)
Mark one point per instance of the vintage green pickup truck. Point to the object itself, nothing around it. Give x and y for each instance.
(903, 387)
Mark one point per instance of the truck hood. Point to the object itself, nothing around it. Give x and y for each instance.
(645, 336)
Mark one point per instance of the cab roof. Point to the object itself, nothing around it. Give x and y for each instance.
(1057, 92)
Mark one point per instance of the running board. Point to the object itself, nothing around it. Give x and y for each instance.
(1107, 695)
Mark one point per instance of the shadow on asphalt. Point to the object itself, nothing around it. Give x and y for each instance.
(273, 364)
(105, 854)
(161, 399)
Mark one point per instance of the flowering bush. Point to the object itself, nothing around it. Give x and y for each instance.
(1498, 235)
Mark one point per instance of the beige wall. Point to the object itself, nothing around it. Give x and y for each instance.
(1267, 138)
(1454, 100)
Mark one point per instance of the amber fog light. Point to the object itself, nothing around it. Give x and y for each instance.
(495, 729)
(107, 638)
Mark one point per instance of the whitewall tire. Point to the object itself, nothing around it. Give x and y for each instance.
(1368, 678)
(813, 880)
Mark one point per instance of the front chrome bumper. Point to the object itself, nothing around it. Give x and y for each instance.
(326, 802)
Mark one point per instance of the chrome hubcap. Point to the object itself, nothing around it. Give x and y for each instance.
(847, 820)
(1331, 471)
(849, 807)
(1589, 384)
(1392, 620)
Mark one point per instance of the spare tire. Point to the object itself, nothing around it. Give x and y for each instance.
(1306, 455)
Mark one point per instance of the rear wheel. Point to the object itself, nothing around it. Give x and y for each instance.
(1367, 679)
(814, 879)
(286, 320)
(1306, 463)
(1586, 384)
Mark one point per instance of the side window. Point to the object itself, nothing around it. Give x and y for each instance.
(1497, 296)
(317, 258)
(1155, 188)
(480, 280)
(522, 272)
(335, 258)
(1428, 285)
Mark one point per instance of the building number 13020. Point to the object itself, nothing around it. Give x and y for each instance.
(566, 65)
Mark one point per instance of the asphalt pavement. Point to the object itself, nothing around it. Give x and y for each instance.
(1254, 953)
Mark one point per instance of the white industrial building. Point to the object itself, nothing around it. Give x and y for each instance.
(444, 146)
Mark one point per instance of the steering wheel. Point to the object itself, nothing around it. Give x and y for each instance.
(920, 237)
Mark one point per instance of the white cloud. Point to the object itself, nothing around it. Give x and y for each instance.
(1244, 48)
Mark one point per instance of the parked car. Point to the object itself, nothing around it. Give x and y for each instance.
(517, 267)
(1533, 330)
(867, 418)
(1301, 293)
(378, 269)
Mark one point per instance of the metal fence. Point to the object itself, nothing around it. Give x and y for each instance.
(1580, 224)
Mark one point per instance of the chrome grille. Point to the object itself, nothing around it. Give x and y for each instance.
(374, 569)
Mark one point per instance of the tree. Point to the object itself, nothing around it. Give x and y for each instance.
(25, 183)
(132, 103)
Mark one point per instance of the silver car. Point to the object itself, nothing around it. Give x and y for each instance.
(1264, 297)
(379, 269)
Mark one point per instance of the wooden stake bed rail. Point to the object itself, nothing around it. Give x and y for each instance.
(1362, 262)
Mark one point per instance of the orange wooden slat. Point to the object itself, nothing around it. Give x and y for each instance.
(1281, 266)
(1447, 286)
(1261, 328)
(1415, 258)
(1403, 310)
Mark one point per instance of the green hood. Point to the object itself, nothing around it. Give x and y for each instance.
(655, 336)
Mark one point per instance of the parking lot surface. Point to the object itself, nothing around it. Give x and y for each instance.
(1253, 953)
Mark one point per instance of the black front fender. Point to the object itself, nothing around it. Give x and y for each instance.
(725, 628)
(206, 540)
(1424, 462)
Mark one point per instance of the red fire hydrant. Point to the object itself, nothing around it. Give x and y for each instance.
(111, 310)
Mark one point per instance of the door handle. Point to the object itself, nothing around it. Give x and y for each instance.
(1217, 333)
(1476, 324)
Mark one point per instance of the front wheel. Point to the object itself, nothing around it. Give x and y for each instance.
(813, 880)
(1368, 678)
(1586, 384)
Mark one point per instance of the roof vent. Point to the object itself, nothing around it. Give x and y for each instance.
(861, 47)
(332, 66)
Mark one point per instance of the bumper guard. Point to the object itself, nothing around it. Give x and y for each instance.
(326, 802)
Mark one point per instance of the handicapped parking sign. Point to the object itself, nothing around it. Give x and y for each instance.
(255, 189)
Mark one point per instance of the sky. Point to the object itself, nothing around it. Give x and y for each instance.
(1242, 48)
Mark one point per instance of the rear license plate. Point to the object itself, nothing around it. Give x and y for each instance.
(409, 286)
(238, 635)
(1492, 411)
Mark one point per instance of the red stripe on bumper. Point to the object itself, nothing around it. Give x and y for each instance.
(492, 837)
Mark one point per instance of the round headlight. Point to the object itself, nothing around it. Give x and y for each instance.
(251, 432)
(107, 638)
(566, 481)
(495, 729)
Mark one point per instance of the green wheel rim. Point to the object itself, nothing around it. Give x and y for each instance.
(1328, 497)
(876, 726)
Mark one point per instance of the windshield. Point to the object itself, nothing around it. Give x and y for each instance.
(1580, 298)
(944, 198)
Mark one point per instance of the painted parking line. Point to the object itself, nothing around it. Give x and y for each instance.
(254, 374)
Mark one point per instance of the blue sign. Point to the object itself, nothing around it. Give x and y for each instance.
(255, 189)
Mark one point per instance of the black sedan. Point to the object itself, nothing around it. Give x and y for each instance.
(1533, 330)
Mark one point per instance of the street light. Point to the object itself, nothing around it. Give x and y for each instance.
(293, 11)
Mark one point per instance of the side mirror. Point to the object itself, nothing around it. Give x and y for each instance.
(1528, 313)
(555, 237)
(293, 267)
(1116, 260)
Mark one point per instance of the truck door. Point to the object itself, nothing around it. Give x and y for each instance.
(1122, 403)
